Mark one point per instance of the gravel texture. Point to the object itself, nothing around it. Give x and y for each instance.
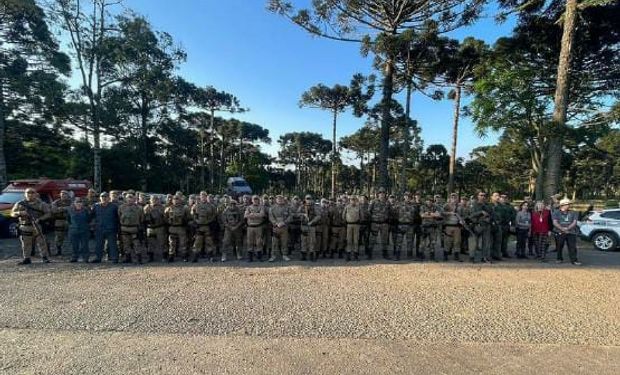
(332, 316)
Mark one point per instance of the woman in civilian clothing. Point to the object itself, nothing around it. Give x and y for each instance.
(79, 230)
(523, 224)
(540, 229)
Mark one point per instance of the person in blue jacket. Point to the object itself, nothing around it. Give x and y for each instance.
(106, 228)
(79, 229)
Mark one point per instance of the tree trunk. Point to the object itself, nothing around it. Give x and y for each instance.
(212, 151)
(334, 167)
(144, 142)
(406, 141)
(455, 132)
(202, 155)
(96, 146)
(553, 171)
(386, 122)
(4, 180)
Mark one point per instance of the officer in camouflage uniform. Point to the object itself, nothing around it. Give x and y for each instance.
(131, 218)
(59, 209)
(379, 211)
(393, 221)
(352, 215)
(231, 219)
(452, 214)
(507, 218)
(221, 205)
(267, 228)
(417, 224)
(294, 238)
(155, 228)
(338, 229)
(364, 238)
(177, 217)
(430, 214)
(310, 217)
(481, 217)
(322, 230)
(280, 217)
(404, 213)
(90, 199)
(203, 214)
(255, 216)
(465, 234)
(496, 227)
(28, 210)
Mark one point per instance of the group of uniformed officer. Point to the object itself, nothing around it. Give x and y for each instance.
(270, 227)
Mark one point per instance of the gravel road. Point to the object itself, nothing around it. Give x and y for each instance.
(328, 317)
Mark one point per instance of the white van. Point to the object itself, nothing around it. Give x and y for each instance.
(236, 186)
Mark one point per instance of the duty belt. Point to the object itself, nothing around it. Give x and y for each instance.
(353, 222)
(337, 226)
(176, 225)
(404, 223)
(254, 226)
(379, 222)
(154, 226)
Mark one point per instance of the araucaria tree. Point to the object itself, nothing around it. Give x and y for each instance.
(337, 99)
(377, 24)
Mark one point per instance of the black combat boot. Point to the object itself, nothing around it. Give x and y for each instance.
(58, 250)
(151, 257)
(332, 254)
(457, 257)
(445, 256)
(45, 260)
(356, 256)
(24, 262)
(340, 254)
(409, 254)
(314, 257)
(348, 258)
(303, 256)
(127, 259)
(369, 255)
(259, 256)
(170, 258)
(250, 256)
(397, 255)
(432, 257)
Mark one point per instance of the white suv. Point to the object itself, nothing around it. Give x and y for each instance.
(602, 228)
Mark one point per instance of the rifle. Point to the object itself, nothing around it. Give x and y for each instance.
(464, 224)
(38, 231)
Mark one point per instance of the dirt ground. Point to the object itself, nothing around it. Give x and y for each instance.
(329, 317)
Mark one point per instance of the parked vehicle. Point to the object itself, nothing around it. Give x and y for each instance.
(48, 190)
(602, 228)
(236, 186)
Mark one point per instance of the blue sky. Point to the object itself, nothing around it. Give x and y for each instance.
(267, 62)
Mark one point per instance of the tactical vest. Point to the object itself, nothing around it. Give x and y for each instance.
(232, 216)
(176, 215)
(379, 211)
(280, 213)
(405, 213)
(35, 208)
(428, 210)
(59, 206)
(353, 214)
(254, 221)
(336, 216)
(203, 213)
(129, 215)
(154, 215)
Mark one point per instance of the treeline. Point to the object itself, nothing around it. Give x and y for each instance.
(134, 122)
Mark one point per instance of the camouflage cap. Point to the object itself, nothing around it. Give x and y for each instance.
(381, 190)
(104, 194)
(308, 196)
